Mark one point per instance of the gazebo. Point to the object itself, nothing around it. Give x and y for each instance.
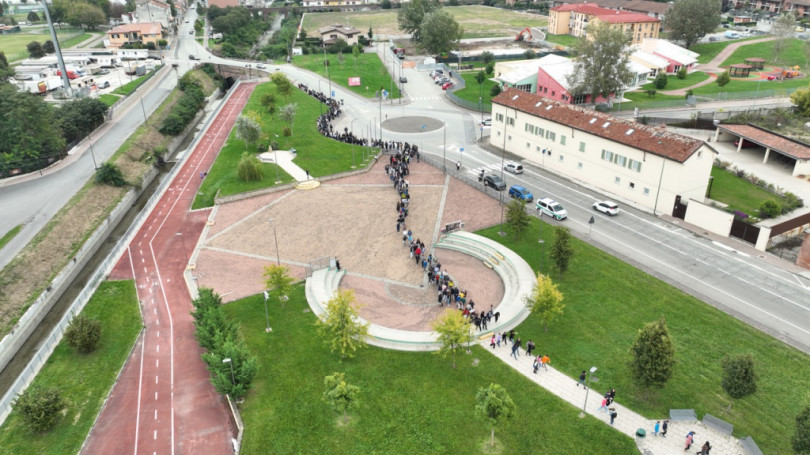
(739, 70)
(755, 62)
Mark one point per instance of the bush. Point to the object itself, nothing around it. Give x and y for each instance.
(83, 333)
(495, 90)
(38, 407)
(769, 209)
(689, 93)
(651, 92)
(186, 108)
(110, 174)
(660, 80)
(249, 168)
(723, 79)
(681, 74)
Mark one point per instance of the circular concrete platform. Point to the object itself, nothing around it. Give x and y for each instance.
(412, 124)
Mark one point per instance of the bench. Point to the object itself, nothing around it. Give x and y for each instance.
(750, 446)
(676, 415)
(719, 425)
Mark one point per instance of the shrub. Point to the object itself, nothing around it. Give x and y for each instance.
(83, 333)
(689, 93)
(681, 74)
(660, 80)
(651, 93)
(495, 90)
(769, 209)
(110, 174)
(249, 168)
(38, 407)
(723, 79)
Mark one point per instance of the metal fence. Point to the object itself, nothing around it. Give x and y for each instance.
(47, 347)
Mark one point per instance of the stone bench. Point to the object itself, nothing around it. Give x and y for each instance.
(719, 425)
(676, 415)
(750, 446)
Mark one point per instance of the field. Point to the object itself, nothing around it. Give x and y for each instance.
(793, 54)
(371, 71)
(410, 403)
(477, 21)
(322, 156)
(673, 83)
(708, 51)
(109, 100)
(84, 380)
(739, 193)
(14, 45)
(471, 89)
(565, 40)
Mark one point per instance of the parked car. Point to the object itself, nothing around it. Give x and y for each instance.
(493, 181)
(551, 208)
(105, 84)
(447, 85)
(192, 57)
(104, 71)
(606, 207)
(403, 79)
(442, 80)
(436, 72)
(260, 66)
(513, 167)
(486, 122)
(519, 192)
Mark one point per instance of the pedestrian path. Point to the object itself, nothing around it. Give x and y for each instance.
(285, 161)
(627, 421)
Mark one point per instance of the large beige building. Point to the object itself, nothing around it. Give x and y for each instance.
(574, 19)
(638, 164)
(149, 32)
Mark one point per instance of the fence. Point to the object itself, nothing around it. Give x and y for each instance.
(318, 264)
(707, 98)
(47, 347)
(466, 104)
(702, 120)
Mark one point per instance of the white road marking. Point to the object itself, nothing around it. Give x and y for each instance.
(156, 379)
(157, 363)
(155, 414)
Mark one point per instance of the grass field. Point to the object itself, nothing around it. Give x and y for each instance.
(673, 83)
(8, 236)
(109, 100)
(68, 43)
(477, 21)
(751, 86)
(320, 155)
(471, 91)
(130, 86)
(739, 193)
(370, 69)
(793, 53)
(84, 380)
(14, 45)
(410, 402)
(565, 40)
(708, 51)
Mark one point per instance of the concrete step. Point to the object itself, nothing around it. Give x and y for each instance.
(308, 185)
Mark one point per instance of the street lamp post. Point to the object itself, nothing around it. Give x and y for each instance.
(266, 314)
(230, 362)
(587, 389)
(275, 237)
(503, 159)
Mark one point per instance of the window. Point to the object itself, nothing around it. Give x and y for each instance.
(539, 131)
(509, 137)
(529, 127)
(579, 165)
(646, 191)
(607, 156)
(561, 157)
(524, 87)
(632, 185)
(581, 146)
(617, 180)
(634, 165)
(562, 139)
(620, 160)
(579, 99)
(553, 93)
(528, 146)
(510, 121)
(499, 117)
(551, 135)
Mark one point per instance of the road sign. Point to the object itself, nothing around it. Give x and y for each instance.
(333, 93)
(461, 150)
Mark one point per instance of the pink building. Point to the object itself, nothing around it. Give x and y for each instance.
(552, 81)
(677, 56)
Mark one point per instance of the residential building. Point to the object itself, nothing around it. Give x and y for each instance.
(144, 33)
(552, 80)
(520, 74)
(677, 56)
(574, 19)
(657, 10)
(330, 34)
(645, 166)
(653, 63)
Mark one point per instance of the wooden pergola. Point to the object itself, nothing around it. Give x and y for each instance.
(739, 70)
(755, 62)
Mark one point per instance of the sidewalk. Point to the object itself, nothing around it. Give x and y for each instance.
(627, 421)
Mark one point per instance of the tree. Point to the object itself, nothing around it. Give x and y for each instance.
(681, 74)
(739, 377)
(287, 114)
(782, 28)
(690, 20)
(277, 278)
(769, 209)
(33, 17)
(439, 32)
(85, 15)
(454, 331)
(48, 47)
(249, 168)
(495, 90)
(29, 129)
(660, 80)
(494, 403)
(83, 333)
(248, 130)
(487, 57)
(283, 84)
(340, 395)
(38, 407)
(801, 439)
(801, 98)
(561, 250)
(269, 102)
(35, 49)
(490, 68)
(340, 327)
(110, 174)
(236, 382)
(602, 62)
(5, 71)
(385, 4)
(356, 54)
(723, 79)
(653, 355)
(370, 33)
(412, 14)
(545, 301)
(516, 217)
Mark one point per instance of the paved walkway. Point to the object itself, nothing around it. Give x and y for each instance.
(627, 421)
(285, 161)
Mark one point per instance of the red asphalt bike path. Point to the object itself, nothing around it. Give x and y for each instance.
(164, 403)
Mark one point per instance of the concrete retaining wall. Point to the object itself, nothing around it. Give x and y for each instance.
(710, 218)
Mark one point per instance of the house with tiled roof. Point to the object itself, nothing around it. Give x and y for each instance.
(552, 80)
(774, 146)
(677, 57)
(657, 10)
(144, 33)
(643, 165)
(330, 34)
(574, 19)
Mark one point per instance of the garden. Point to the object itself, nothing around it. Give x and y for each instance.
(367, 66)
(747, 196)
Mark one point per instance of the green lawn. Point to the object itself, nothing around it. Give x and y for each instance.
(370, 69)
(673, 83)
(751, 86)
(84, 380)
(565, 40)
(608, 301)
(410, 402)
(68, 43)
(739, 193)
(130, 86)
(10, 235)
(793, 53)
(471, 89)
(14, 45)
(708, 51)
(109, 100)
(322, 156)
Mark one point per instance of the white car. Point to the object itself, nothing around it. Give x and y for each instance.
(551, 208)
(513, 167)
(606, 207)
(486, 122)
(260, 66)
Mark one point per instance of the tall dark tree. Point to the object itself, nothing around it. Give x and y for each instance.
(561, 250)
(48, 47)
(33, 17)
(412, 14)
(739, 376)
(439, 33)
(690, 20)
(29, 129)
(35, 49)
(602, 62)
(5, 71)
(653, 355)
(801, 439)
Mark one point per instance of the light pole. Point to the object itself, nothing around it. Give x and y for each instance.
(92, 152)
(503, 158)
(183, 241)
(275, 237)
(143, 109)
(275, 158)
(587, 389)
(541, 242)
(266, 314)
(229, 362)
